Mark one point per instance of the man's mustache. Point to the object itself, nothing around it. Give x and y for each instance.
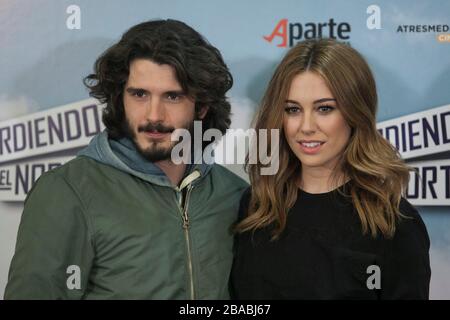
(156, 127)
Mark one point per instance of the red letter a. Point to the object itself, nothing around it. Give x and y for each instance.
(279, 31)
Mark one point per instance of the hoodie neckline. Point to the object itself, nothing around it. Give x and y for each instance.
(105, 150)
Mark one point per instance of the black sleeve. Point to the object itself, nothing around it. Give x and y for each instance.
(407, 272)
(243, 205)
(243, 209)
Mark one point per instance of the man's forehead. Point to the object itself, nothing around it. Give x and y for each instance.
(146, 74)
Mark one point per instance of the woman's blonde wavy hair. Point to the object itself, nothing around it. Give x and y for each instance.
(378, 175)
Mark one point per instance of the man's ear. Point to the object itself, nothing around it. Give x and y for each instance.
(202, 113)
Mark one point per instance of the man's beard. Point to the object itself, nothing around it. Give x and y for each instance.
(155, 152)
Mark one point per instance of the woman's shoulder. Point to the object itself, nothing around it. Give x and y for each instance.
(408, 210)
(410, 216)
(410, 227)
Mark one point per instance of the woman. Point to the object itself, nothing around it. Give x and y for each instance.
(332, 223)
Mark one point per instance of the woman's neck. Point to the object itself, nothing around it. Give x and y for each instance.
(320, 180)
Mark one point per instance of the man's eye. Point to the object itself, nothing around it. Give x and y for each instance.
(174, 96)
(139, 94)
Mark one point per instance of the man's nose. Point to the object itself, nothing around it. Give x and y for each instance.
(155, 110)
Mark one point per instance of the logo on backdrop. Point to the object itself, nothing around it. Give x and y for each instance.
(443, 37)
(439, 30)
(26, 144)
(423, 28)
(286, 33)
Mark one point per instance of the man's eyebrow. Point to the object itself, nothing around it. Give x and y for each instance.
(179, 92)
(134, 90)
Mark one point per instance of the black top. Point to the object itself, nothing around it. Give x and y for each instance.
(322, 254)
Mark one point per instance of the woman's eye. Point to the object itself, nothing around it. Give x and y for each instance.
(325, 109)
(291, 109)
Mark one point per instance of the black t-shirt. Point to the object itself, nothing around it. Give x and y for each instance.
(322, 254)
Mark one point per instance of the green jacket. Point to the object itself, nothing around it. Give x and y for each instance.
(97, 229)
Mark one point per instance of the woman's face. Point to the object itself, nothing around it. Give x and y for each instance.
(313, 125)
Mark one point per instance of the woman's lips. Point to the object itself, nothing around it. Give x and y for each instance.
(310, 147)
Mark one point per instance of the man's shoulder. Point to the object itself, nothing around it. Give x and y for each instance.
(77, 166)
(82, 176)
(77, 170)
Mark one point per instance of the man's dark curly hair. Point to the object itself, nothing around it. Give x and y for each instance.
(198, 65)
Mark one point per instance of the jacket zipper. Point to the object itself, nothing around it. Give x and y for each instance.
(188, 241)
(187, 182)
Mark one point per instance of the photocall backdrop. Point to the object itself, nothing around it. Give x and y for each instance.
(48, 46)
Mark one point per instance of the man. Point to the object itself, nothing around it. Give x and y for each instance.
(122, 220)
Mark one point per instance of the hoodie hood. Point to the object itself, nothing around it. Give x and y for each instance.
(123, 155)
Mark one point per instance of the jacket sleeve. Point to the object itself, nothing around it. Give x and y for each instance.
(54, 250)
(407, 270)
